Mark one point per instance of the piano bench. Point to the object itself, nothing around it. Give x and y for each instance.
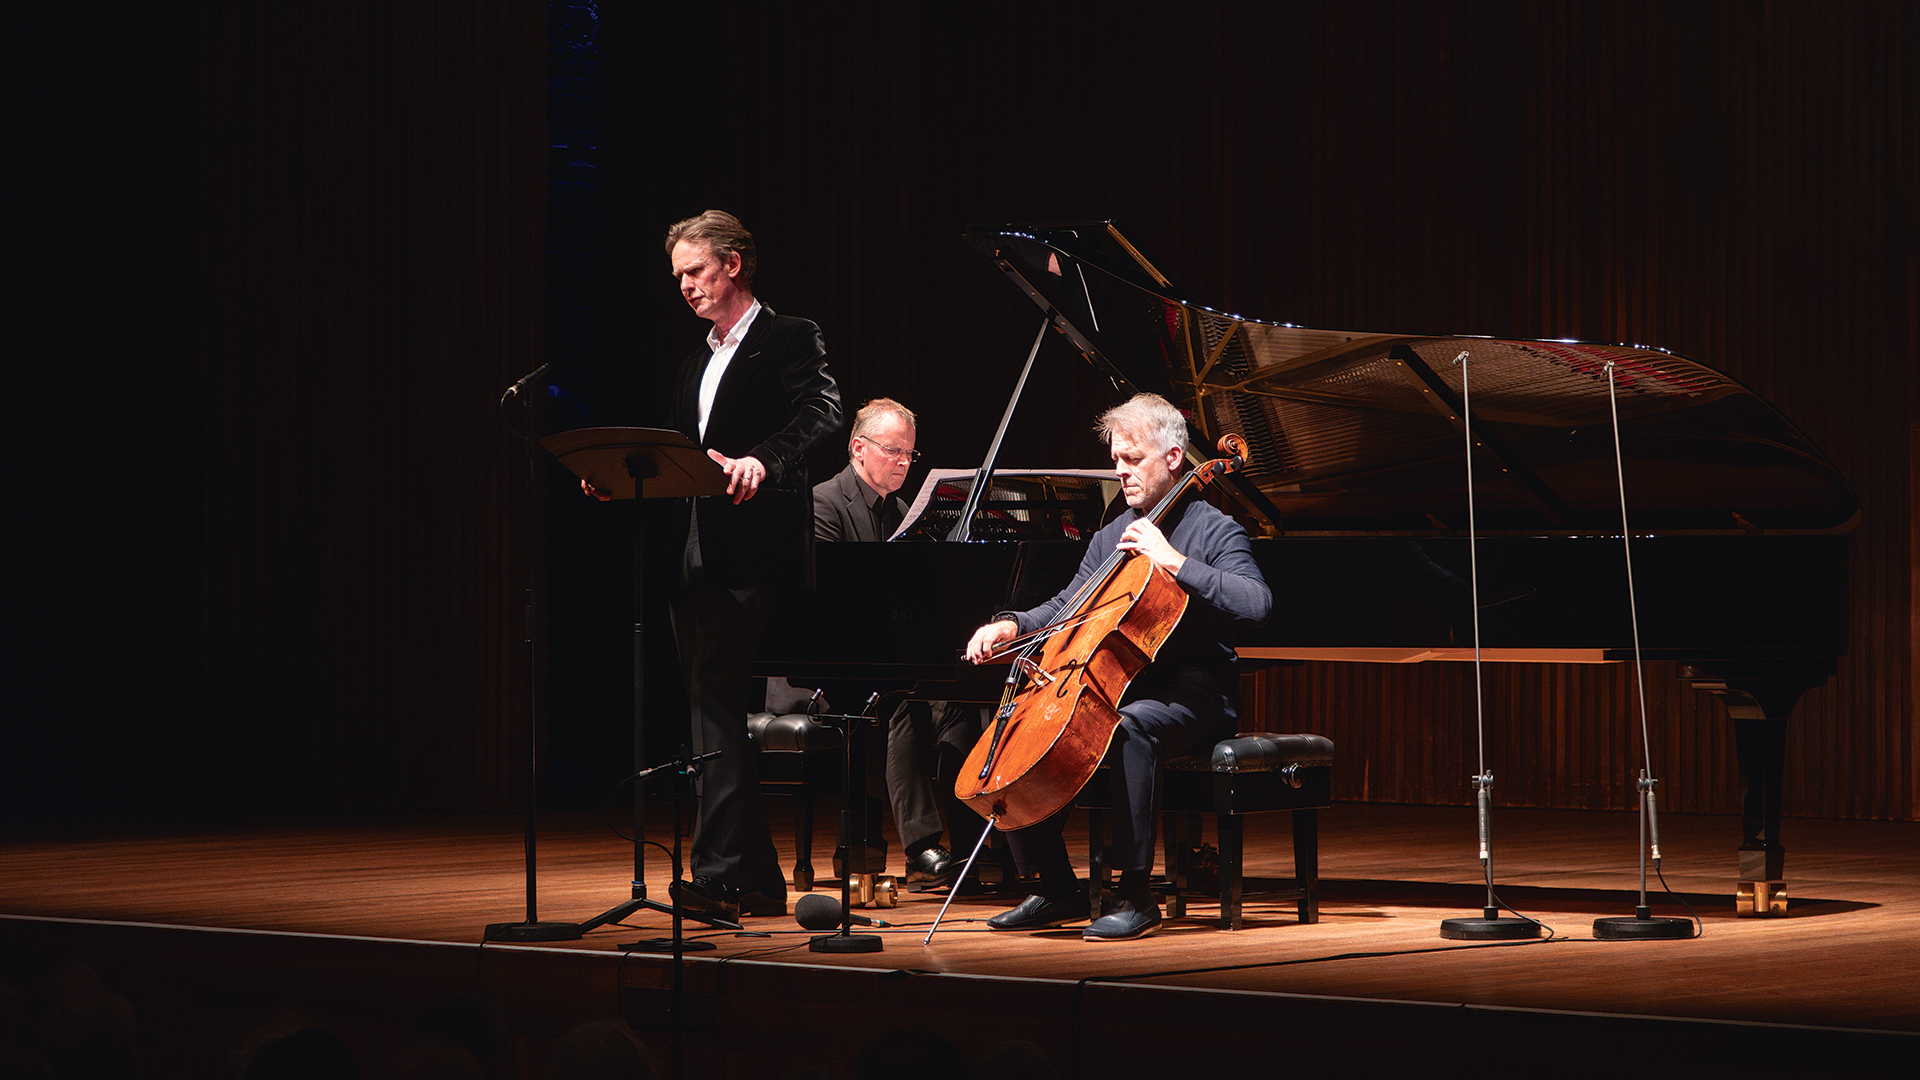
(801, 757)
(1250, 773)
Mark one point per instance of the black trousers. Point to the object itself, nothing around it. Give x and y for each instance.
(927, 742)
(717, 630)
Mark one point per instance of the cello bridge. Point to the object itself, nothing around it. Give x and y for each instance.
(1034, 671)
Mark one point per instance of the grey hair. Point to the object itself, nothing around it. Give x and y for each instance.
(870, 415)
(1149, 419)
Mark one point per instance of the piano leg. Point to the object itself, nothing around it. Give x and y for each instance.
(1759, 697)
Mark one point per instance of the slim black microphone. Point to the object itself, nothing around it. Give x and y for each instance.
(817, 911)
(525, 381)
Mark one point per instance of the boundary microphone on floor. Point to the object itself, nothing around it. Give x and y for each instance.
(817, 911)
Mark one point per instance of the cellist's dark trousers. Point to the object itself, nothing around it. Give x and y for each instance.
(1153, 730)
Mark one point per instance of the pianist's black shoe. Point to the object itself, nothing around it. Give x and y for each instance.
(707, 894)
(935, 864)
(1040, 913)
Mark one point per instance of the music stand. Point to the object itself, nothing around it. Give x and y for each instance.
(629, 463)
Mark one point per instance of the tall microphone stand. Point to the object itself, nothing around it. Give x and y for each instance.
(1490, 926)
(532, 929)
(1642, 925)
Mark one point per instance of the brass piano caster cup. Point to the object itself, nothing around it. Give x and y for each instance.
(1758, 899)
(874, 890)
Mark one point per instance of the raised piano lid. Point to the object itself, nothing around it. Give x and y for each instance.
(1360, 432)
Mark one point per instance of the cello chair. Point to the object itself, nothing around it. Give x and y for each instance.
(1250, 773)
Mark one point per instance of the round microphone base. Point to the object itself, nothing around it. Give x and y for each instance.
(1488, 929)
(1636, 928)
(845, 943)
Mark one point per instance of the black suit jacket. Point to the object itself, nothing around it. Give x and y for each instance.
(840, 510)
(777, 402)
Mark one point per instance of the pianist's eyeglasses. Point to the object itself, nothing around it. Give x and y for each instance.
(891, 451)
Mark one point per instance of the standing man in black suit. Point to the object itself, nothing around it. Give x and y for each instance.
(758, 398)
(924, 738)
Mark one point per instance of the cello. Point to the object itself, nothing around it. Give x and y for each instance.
(1061, 702)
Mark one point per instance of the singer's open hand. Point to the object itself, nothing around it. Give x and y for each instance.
(744, 475)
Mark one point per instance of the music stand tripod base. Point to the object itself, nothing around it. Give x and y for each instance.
(845, 943)
(532, 931)
(664, 945)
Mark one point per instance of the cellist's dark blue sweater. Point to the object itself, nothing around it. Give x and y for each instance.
(1224, 587)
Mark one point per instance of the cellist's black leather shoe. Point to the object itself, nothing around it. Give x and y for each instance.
(1040, 913)
(1129, 919)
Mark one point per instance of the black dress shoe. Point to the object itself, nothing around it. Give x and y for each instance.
(1129, 919)
(1040, 913)
(934, 864)
(707, 894)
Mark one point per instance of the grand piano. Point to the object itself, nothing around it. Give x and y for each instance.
(1357, 490)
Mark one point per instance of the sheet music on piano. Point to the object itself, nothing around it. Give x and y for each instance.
(1028, 504)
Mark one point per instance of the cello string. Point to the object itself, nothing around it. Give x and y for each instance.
(1021, 642)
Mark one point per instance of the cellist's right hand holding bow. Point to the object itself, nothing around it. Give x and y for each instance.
(990, 637)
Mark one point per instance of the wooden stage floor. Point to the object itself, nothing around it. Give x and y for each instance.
(215, 935)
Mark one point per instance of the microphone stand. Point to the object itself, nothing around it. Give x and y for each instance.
(687, 767)
(532, 929)
(1490, 926)
(846, 941)
(1641, 925)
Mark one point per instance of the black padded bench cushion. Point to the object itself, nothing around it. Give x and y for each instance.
(1261, 751)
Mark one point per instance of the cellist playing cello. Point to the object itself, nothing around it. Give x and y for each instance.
(1188, 695)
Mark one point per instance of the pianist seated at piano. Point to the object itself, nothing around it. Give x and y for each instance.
(861, 504)
(1188, 695)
